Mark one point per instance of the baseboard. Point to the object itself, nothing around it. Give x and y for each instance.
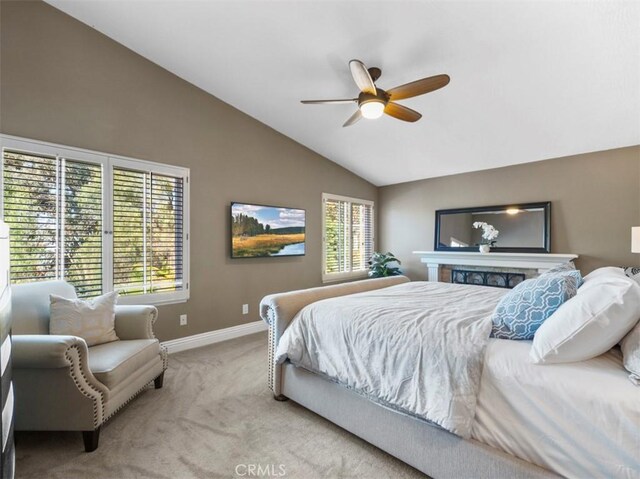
(212, 337)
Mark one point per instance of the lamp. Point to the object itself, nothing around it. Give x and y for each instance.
(635, 239)
(372, 109)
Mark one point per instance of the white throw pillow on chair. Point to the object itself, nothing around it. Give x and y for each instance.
(92, 320)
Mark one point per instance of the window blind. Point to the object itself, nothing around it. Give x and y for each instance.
(53, 206)
(348, 236)
(336, 236)
(362, 236)
(81, 225)
(100, 222)
(148, 226)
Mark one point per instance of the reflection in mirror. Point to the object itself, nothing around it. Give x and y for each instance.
(521, 227)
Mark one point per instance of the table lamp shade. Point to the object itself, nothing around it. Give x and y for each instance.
(635, 239)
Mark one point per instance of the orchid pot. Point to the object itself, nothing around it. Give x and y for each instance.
(489, 236)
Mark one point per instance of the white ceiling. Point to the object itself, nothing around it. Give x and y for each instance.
(529, 80)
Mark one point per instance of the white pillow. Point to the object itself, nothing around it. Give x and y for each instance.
(606, 307)
(92, 320)
(631, 354)
(606, 271)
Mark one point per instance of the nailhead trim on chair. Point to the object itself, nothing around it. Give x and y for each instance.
(75, 356)
(164, 354)
(151, 323)
(272, 347)
(165, 364)
(133, 396)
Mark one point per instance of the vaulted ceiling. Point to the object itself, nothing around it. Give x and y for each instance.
(529, 80)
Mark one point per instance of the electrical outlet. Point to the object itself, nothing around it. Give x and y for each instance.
(245, 309)
(183, 320)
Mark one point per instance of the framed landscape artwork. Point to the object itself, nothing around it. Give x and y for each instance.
(259, 231)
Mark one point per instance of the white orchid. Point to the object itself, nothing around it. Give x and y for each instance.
(489, 233)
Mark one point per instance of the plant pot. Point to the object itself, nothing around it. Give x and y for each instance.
(485, 248)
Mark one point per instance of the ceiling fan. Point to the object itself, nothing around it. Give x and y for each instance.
(374, 101)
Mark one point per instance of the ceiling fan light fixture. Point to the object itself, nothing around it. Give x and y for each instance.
(372, 109)
(373, 101)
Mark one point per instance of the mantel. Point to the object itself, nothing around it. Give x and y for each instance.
(538, 261)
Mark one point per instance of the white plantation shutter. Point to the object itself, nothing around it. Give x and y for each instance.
(336, 236)
(101, 223)
(129, 209)
(348, 236)
(54, 208)
(362, 235)
(148, 232)
(81, 215)
(30, 209)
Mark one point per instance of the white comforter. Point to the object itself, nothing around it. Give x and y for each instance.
(417, 347)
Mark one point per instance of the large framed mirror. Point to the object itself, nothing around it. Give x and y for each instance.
(523, 228)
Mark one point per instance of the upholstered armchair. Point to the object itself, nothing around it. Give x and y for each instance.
(63, 385)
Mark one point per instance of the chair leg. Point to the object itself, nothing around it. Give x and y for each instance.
(157, 382)
(90, 439)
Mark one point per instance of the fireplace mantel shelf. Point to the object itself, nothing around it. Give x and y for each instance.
(538, 261)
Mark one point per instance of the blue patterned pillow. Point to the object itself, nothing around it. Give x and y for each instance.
(572, 274)
(522, 311)
(561, 268)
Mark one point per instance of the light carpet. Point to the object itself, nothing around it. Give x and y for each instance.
(214, 418)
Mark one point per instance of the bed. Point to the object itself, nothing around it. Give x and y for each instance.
(508, 418)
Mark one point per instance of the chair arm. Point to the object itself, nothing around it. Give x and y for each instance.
(135, 322)
(55, 389)
(44, 351)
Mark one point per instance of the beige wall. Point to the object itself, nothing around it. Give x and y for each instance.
(64, 82)
(595, 200)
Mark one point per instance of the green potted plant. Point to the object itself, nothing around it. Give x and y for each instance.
(379, 265)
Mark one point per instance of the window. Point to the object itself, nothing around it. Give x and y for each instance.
(456, 243)
(102, 223)
(348, 237)
(147, 228)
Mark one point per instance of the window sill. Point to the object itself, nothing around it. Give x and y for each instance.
(337, 277)
(153, 299)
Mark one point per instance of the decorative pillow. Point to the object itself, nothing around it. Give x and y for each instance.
(92, 320)
(633, 273)
(631, 354)
(605, 308)
(570, 266)
(522, 311)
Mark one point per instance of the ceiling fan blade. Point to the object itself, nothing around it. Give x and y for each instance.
(374, 73)
(327, 102)
(353, 118)
(418, 87)
(361, 77)
(401, 112)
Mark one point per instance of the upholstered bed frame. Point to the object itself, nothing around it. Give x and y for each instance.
(426, 447)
